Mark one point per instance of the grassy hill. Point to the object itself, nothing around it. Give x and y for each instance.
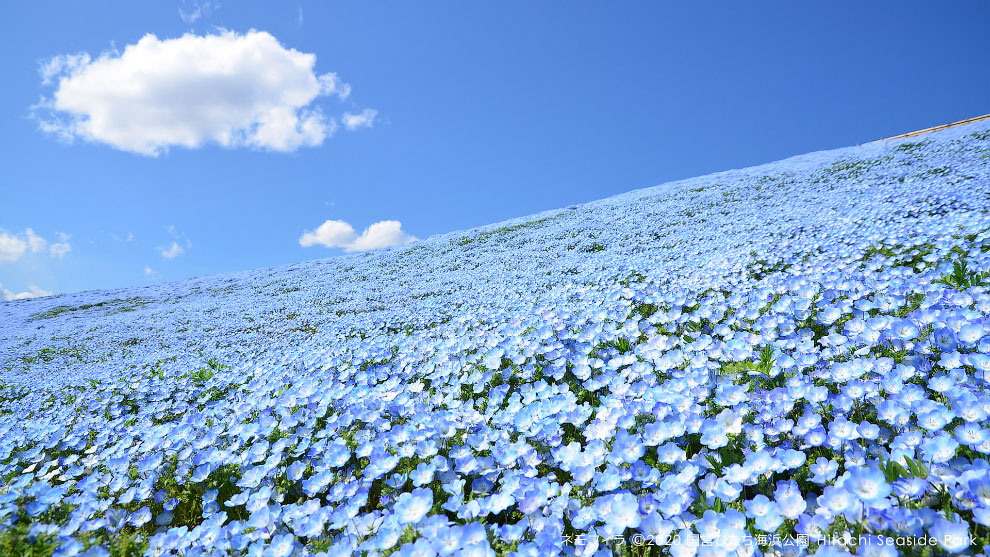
(797, 348)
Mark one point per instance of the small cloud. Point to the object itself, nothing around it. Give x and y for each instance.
(62, 247)
(36, 242)
(175, 250)
(11, 247)
(197, 11)
(330, 84)
(126, 239)
(299, 19)
(32, 292)
(332, 234)
(340, 234)
(363, 120)
(151, 273)
(15, 246)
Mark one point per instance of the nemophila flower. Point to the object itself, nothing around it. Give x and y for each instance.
(140, 517)
(939, 449)
(980, 488)
(411, 507)
(759, 506)
(868, 484)
(725, 490)
(971, 333)
(934, 420)
(877, 546)
(623, 512)
(945, 339)
(835, 500)
(953, 537)
(420, 548)
(905, 330)
(295, 470)
(910, 487)
(970, 434)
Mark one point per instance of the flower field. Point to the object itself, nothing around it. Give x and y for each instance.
(786, 359)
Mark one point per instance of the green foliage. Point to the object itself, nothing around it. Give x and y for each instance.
(134, 302)
(17, 541)
(893, 470)
(204, 374)
(645, 310)
(962, 277)
(910, 147)
(621, 344)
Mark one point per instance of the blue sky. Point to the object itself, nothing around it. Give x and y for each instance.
(463, 114)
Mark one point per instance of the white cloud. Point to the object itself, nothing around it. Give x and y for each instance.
(363, 120)
(11, 247)
(173, 251)
(148, 270)
(33, 292)
(339, 234)
(116, 238)
(15, 246)
(36, 242)
(332, 234)
(62, 64)
(62, 247)
(176, 249)
(234, 90)
(198, 10)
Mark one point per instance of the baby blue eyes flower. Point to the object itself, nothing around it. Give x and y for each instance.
(295, 471)
(905, 330)
(971, 333)
(945, 339)
(624, 512)
(836, 500)
(953, 537)
(281, 546)
(869, 484)
(411, 507)
(140, 517)
(939, 449)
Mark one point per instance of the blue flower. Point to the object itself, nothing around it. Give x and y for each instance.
(412, 507)
(953, 537)
(868, 483)
(945, 339)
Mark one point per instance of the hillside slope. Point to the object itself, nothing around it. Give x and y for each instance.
(746, 353)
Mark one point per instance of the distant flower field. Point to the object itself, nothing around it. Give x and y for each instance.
(785, 359)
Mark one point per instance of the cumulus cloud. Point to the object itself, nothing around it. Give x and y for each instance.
(340, 234)
(32, 292)
(15, 246)
(363, 120)
(234, 90)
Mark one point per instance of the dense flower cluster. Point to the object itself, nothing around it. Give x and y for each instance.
(721, 366)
